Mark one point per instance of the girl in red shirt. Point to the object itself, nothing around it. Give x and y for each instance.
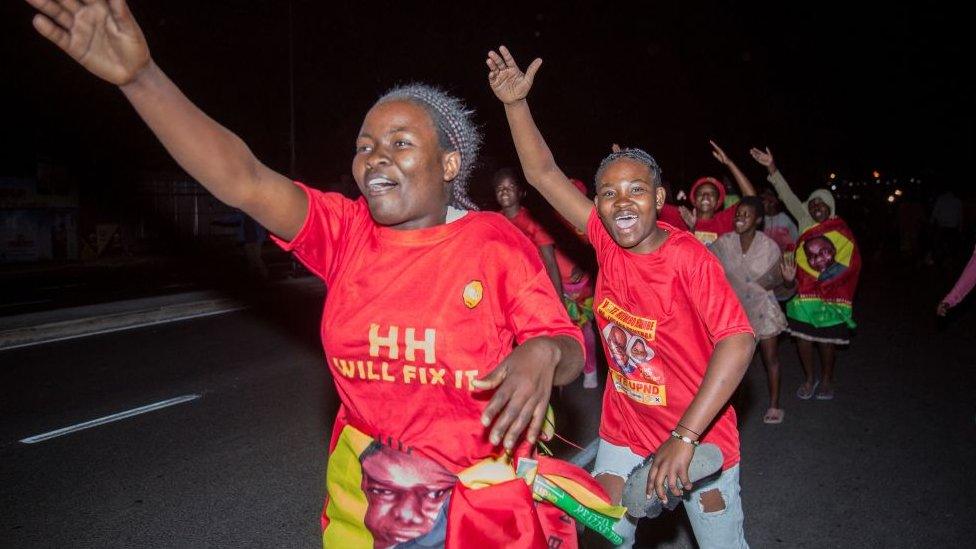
(677, 340)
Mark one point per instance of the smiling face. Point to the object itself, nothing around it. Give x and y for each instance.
(818, 209)
(706, 198)
(508, 193)
(401, 168)
(820, 253)
(746, 218)
(404, 494)
(627, 200)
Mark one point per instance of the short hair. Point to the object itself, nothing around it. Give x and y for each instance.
(637, 155)
(456, 131)
(503, 174)
(753, 202)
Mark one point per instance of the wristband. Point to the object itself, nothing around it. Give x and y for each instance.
(683, 438)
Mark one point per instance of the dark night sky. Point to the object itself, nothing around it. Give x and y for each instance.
(830, 87)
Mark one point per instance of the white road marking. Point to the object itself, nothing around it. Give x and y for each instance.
(109, 419)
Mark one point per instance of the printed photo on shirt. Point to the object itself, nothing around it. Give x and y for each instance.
(406, 497)
(633, 371)
(818, 255)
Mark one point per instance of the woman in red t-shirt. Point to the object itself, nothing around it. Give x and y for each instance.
(411, 332)
(676, 338)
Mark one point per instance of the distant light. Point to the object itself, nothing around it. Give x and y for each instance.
(897, 192)
(876, 174)
(833, 187)
(850, 183)
(891, 198)
(856, 196)
(833, 175)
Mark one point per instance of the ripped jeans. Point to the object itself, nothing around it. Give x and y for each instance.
(721, 528)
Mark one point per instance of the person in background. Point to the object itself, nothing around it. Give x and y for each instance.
(961, 288)
(828, 266)
(754, 266)
(707, 221)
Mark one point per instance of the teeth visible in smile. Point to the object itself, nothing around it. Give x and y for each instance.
(625, 221)
(379, 183)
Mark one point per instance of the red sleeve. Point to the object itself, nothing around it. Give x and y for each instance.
(713, 298)
(528, 299)
(329, 225)
(539, 236)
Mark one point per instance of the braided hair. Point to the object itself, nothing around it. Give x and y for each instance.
(637, 155)
(456, 131)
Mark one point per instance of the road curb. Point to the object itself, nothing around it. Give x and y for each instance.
(71, 329)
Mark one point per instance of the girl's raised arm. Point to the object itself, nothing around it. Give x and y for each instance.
(511, 86)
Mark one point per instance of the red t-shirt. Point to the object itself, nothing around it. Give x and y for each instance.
(708, 230)
(660, 316)
(531, 228)
(671, 215)
(412, 316)
(540, 237)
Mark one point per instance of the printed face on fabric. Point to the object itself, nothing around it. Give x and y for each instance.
(632, 354)
(820, 253)
(404, 494)
(400, 166)
(627, 200)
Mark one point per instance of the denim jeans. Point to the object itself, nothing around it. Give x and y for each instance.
(720, 529)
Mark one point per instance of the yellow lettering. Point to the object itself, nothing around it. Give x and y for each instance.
(345, 368)
(409, 373)
(427, 345)
(370, 375)
(385, 374)
(437, 376)
(423, 375)
(389, 341)
(457, 378)
(472, 375)
(359, 366)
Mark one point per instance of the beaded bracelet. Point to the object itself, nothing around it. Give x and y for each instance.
(683, 438)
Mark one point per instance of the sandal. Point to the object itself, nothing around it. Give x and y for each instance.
(825, 393)
(805, 394)
(774, 416)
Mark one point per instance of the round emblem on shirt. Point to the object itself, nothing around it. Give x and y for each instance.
(472, 294)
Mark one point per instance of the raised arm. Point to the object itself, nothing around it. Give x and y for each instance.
(104, 38)
(793, 204)
(740, 178)
(511, 86)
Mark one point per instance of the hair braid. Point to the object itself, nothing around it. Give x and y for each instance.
(456, 131)
(638, 155)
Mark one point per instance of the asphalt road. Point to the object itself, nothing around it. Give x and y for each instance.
(883, 465)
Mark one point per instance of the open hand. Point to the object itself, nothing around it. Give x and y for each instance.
(788, 267)
(719, 154)
(764, 157)
(508, 82)
(522, 384)
(100, 35)
(690, 216)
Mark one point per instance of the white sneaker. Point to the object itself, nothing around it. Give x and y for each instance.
(590, 381)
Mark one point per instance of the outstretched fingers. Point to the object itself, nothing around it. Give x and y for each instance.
(60, 13)
(50, 30)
